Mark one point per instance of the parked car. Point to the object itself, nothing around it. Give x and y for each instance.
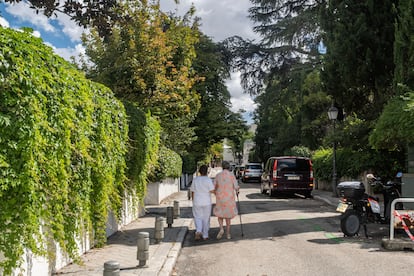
(287, 174)
(252, 171)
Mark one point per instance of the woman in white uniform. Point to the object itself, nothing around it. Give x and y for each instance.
(201, 190)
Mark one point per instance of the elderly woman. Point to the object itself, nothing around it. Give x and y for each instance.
(226, 187)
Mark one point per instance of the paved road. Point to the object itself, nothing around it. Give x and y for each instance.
(287, 236)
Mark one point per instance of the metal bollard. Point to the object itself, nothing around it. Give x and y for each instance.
(159, 229)
(176, 209)
(170, 216)
(143, 248)
(111, 268)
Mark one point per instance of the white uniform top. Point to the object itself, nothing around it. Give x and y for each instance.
(202, 185)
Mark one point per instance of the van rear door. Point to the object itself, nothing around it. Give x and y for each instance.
(294, 174)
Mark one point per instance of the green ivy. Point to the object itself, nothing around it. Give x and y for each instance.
(63, 141)
(144, 137)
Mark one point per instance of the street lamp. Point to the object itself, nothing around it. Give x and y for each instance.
(270, 142)
(333, 115)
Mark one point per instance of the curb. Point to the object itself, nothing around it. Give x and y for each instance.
(325, 200)
(175, 249)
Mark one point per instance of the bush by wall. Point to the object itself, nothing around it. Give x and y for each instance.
(63, 141)
(351, 163)
(169, 165)
(144, 137)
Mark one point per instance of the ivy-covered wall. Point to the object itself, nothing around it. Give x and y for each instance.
(69, 152)
(63, 141)
(142, 157)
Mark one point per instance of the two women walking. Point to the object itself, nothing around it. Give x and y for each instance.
(225, 188)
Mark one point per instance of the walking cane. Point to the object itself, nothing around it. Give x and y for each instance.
(238, 203)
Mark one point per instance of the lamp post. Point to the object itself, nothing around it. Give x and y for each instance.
(270, 142)
(333, 115)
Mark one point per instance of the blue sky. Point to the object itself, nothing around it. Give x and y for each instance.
(219, 19)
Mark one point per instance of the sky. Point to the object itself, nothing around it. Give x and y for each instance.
(219, 19)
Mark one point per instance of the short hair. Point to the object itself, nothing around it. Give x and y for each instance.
(203, 170)
(225, 165)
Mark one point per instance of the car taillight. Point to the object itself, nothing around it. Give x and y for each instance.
(311, 171)
(275, 175)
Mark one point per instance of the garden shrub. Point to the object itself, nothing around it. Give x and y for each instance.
(169, 165)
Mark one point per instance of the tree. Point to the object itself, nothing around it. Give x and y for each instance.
(358, 65)
(148, 59)
(395, 127)
(403, 48)
(92, 13)
(275, 68)
(215, 121)
(289, 31)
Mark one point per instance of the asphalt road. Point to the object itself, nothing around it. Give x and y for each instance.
(289, 236)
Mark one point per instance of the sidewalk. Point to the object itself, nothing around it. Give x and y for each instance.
(122, 246)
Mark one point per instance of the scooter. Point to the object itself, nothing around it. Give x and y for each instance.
(391, 190)
(358, 208)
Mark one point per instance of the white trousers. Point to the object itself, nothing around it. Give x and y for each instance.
(202, 219)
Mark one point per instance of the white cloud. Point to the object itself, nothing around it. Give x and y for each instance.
(239, 99)
(220, 19)
(4, 23)
(70, 28)
(68, 53)
(23, 13)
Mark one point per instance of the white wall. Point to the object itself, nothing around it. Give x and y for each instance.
(158, 191)
(41, 266)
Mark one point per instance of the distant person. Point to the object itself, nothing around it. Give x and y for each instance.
(201, 191)
(226, 187)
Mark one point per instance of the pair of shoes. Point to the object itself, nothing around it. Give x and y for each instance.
(228, 236)
(220, 233)
(197, 236)
(205, 239)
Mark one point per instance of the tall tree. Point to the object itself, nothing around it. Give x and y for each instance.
(289, 30)
(404, 47)
(148, 59)
(215, 121)
(275, 67)
(395, 127)
(358, 66)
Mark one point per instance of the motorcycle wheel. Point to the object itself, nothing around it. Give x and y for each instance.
(350, 223)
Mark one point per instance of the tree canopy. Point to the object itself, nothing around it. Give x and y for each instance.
(148, 59)
(215, 121)
(93, 13)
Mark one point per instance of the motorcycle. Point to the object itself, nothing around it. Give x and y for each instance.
(359, 208)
